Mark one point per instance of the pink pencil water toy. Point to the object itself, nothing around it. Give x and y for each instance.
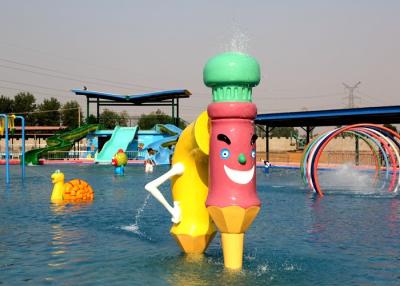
(232, 200)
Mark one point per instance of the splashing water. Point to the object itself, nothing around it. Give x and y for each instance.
(349, 179)
(135, 227)
(262, 269)
(239, 41)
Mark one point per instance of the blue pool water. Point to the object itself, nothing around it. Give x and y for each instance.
(122, 238)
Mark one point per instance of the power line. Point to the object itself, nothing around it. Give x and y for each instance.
(34, 85)
(120, 84)
(69, 78)
(82, 63)
(374, 99)
(61, 57)
(297, 97)
(56, 76)
(24, 90)
(44, 111)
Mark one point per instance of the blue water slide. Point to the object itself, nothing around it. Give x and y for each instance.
(120, 139)
(164, 146)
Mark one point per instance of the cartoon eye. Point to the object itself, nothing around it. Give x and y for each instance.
(225, 154)
(253, 154)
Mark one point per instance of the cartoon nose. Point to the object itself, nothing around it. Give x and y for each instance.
(242, 159)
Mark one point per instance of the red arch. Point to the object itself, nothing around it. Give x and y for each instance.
(393, 158)
(333, 135)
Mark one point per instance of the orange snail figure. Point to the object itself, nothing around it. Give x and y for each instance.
(74, 191)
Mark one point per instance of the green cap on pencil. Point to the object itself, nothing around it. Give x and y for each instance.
(231, 76)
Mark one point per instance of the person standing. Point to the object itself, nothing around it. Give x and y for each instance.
(149, 161)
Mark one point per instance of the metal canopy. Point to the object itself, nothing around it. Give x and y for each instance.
(159, 98)
(333, 117)
(136, 99)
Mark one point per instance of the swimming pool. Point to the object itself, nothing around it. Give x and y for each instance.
(123, 236)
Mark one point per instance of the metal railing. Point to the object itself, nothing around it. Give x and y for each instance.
(79, 155)
(282, 157)
(327, 157)
(11, 155)
(68, 155)
(334, 157)
(73, 155)
(135, 155)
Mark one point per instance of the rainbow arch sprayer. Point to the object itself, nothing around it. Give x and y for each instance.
(192, 227)
(383, 142)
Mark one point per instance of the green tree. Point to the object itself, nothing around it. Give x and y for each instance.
(109, 118)
(25, 102)
(6, 104)
(147, 121)
(91, 119)
(46, 115)
(345, 134)
(260, 131)
(286, 132)
(391, 127)
(70, 115)
(123, 118)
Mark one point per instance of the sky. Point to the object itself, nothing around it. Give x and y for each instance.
(306, 49)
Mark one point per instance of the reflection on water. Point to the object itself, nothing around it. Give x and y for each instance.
(186, 270)
(65, 239)
(208, 270)
(62, 209)
(394, 217)
(317, 225)
(59, 245)
(201, 270)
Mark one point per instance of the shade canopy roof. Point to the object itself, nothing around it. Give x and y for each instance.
(333, 117)
(158, 96)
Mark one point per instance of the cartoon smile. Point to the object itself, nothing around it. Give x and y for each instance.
(239, 177)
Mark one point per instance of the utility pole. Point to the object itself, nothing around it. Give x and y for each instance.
(351, 105)
(351, 93)
(79, 116)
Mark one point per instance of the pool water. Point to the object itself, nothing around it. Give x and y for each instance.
(122, 238)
